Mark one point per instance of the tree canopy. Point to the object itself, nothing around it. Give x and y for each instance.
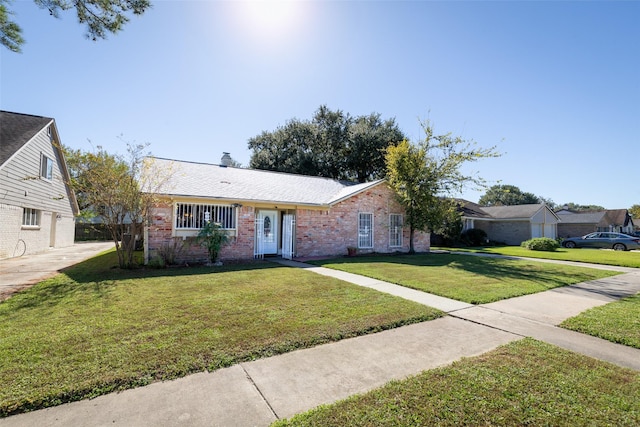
(116, 189)
(333, 144)
(424, 176)
(507, 195)
(635, 213)
(100, 17)
(575, 207)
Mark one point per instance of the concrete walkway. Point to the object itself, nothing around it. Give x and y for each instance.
(260, 392)
(21, 272)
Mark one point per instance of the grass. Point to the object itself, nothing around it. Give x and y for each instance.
(476, 280)
(96, 329)
(595, 256)
(618, 322)
(522, 383)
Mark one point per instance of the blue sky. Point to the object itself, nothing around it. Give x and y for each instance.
(554, 85)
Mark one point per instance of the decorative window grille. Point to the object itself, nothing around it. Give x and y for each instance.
(365, 230)
(31, 217)
(46, 168)
(395, 230)
(192, 216)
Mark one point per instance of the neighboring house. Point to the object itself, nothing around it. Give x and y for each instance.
(37, 208)
(510, 224)
(580, 223)
(270, 213)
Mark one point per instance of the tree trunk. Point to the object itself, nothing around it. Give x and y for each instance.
(412, 250)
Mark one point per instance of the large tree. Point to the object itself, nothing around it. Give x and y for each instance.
(425, 175)
(333, 144)
(635, 214)
(100, 16)
(117, 189)
(507, 195)
(575, 207)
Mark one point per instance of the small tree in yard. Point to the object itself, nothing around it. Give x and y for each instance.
(424, 175)
(118, 189)
(213, 238)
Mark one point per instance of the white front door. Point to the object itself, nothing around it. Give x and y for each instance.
(269, 232)
(288, 235)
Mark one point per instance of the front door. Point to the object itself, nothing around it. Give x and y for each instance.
(269, 232)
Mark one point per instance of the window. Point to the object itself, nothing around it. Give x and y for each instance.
(195, 216)
(46, 168)
(365, 230)
(395, 230)
(30, 217)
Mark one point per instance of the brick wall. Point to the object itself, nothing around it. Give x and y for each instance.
(574, 230)
(509, 232)
(318, 232)
(16, 240)
(159, 233)
(10, 221)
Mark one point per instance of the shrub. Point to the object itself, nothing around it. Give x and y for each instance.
(541, 244)
(213, 238)
(474, 237)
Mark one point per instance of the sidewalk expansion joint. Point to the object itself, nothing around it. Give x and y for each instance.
(488, 326)
(264, 399)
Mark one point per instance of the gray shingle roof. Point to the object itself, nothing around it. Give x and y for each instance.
(471, 210)
(582, 218)
(16, 130)
(513, 211)
(191, 179)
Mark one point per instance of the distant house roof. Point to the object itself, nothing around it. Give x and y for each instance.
(473, 210)
(618, 217)
(581, 218)
(16, 130)
(513, 211)
(216, 182)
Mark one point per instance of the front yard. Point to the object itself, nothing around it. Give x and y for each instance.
(96, 329)
(476, 280)
(524, 383)
(595, 256)
(618, 322)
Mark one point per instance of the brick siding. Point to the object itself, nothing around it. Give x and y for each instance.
(318, 232)
(17, 240)
(509, 232)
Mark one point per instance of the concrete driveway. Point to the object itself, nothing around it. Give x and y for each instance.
(25, 271)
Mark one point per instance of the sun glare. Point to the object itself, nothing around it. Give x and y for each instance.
(270, 19)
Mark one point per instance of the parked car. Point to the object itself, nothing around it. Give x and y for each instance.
(615, 241)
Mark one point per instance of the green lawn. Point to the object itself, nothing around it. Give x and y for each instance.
(595, 256)
(617, 321)
(476, 280)
(97, 329)
(523, 383)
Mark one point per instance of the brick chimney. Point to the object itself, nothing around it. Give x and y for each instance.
(226, 159)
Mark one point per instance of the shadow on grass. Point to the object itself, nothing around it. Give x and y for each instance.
(493, 267)
(96, 276)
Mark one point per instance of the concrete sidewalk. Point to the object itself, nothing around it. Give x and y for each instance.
(21, 272)
(260, 392)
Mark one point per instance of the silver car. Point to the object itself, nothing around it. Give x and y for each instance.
(608, 240)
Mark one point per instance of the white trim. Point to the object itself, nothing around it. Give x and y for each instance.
(395, 236)
(44, 163)
(367, 232)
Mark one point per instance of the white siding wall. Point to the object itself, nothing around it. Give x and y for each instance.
(21, 187)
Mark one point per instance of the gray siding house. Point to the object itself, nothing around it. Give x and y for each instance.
(511, 224)
(37, 208)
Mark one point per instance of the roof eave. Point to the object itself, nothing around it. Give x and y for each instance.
(246, 201)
